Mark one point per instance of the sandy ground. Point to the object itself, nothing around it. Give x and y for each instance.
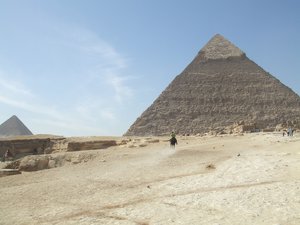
(252, 179)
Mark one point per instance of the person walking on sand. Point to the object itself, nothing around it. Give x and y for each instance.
(173, 140)
(7, 155)
(290, 131)
(173, 135)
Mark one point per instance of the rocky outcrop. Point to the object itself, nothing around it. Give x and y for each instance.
(220, 87)
(90, 145)
(41, 162)
(242, 127)
(44, 144)
(139, 142)
(8, 172)
(57, 151)
(28, 145)
(33, 163)
(20, 147)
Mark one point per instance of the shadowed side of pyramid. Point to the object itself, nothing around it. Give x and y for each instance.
(221, 86)
(14, 127)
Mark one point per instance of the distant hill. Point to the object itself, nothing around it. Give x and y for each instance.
(14, 127)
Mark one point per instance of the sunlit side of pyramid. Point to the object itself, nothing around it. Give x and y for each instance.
(220, 87)
(14, 127)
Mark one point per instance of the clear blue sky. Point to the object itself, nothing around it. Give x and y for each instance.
(91, 67)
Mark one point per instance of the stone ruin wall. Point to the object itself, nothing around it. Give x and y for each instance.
(36, 146)
(91, 145)
(23, 147)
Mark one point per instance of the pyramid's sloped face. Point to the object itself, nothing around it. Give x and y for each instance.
(214, 94)
(14, 127)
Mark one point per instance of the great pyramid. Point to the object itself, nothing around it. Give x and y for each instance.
(14, 127)
(220, 87)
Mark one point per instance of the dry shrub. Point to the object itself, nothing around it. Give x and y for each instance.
(211, 166)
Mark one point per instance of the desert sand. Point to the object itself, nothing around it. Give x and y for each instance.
(230, 179)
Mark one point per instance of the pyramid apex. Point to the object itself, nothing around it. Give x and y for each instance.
(14, 118)
(219, 47)
(218, 36)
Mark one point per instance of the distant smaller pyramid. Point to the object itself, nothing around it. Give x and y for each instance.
(14, 127)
